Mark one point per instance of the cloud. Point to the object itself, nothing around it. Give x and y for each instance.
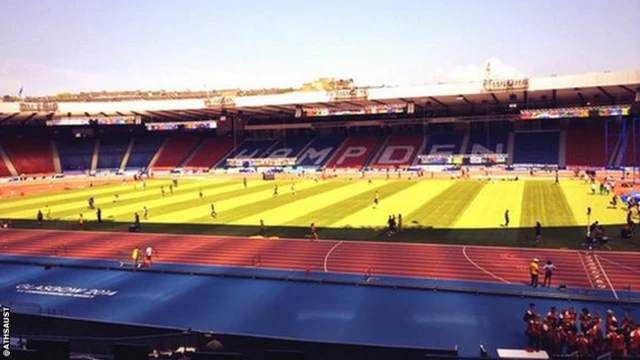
(472, 72)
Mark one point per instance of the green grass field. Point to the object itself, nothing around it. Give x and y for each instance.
(433, 210)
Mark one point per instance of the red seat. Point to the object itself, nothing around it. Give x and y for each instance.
(34, 156)
(210, 153)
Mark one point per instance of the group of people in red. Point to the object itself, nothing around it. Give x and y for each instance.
(584, 334)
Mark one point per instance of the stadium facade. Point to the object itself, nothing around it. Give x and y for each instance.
(584, 121)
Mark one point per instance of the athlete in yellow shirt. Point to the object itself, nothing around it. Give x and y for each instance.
(135, 255)
(534, 273)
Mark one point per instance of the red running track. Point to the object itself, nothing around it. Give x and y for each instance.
(616, 270)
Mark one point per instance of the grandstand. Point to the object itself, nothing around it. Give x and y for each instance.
(535, 122)
(436, 164)
(176, 149)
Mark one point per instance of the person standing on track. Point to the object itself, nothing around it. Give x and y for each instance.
(506, 218)
(200, 194)
(244, 182)
(47, 212)
(81, 221)
(162, 190)
(135, 255)
(275, 190)
(39, 217)
(148, 255)
(171, 189)
(99, 215)
(399, 222)
(548, 268)
(145, 213)
(293, 189)
(533, 267)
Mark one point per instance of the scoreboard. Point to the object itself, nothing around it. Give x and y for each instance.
(261, 162)
(463, 159)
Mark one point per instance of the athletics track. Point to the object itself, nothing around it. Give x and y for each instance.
(611, 271)
(326, 306)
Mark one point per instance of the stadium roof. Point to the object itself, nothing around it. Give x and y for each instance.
(574, 90)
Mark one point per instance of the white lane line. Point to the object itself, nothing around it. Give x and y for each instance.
(615, 294)
(618, 264)
(326, 258)
(586, 271)
(464, 252)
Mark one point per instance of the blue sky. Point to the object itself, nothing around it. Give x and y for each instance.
(53, 46)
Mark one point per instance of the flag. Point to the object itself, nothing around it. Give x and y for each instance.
(20, 91)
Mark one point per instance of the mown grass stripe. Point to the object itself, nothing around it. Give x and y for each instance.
(165, 206)
(291, 211)
(400, 202)
(545, 201)
(581, 198)
(488, 207)
(342, 208)
(134, 200)
(105, 194)
(284, 198)
(445, 209)
(224, 204)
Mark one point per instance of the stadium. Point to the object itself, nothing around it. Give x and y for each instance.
(331, 220)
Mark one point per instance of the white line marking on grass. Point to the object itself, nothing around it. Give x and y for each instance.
(326, 258)
(464, 252)
(615, 294)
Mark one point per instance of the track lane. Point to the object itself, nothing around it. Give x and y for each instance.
(445, 262)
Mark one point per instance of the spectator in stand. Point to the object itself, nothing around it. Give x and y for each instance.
(619, 345)
(530, 313)
(585, 320)
(582, 345)
(533, 333)
(634, 343)
(571, 339)
(611, 321)
(547, 335)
